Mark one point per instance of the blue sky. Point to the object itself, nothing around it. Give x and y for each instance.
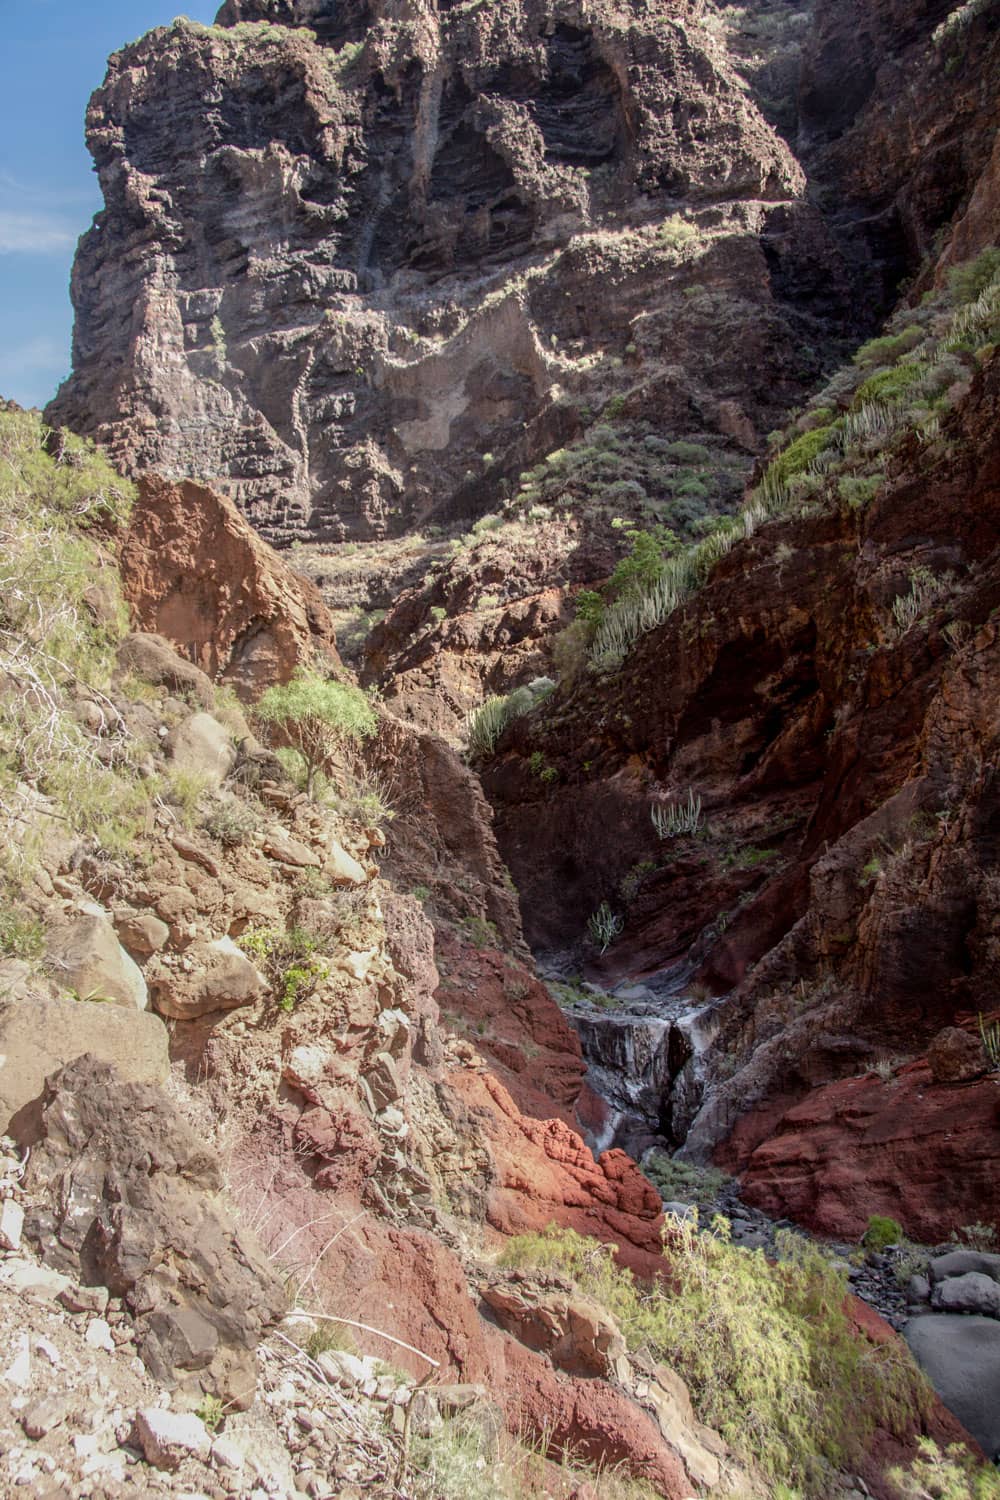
(52, 57)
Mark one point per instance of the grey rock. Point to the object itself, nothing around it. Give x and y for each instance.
(918, 1288)
(168, 1437)
(132, 1199)
(961, 1357)
(42, 1416)
(961, 1262)
(972, 1292)
(154, 658)
(383, 1080)
(677, 1210)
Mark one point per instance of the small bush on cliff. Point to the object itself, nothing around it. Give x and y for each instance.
(768, 1352)
(60, 621)
(952, 1475)
(316, 717)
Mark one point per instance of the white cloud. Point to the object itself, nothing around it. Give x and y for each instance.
(35, 234)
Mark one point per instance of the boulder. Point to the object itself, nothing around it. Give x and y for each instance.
(961, 1357)
(280, 846)
(40, 1035)
(575, 1332)
(203, 746)
(154, 658)
(962, 1263)
(128, 1197)
(86, 956)
(185, 547)
(972, 1293)
(341, 867)
(169, 1437)
(141, 932)
(955, 1056)
(216, 975)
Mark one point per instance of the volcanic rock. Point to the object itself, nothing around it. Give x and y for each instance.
(132, 1201)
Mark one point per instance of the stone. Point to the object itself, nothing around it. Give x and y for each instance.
(40, 1036)
(202, 746)
(972, 1293)
(956, 1056)
(85, 1299)
(85, 954)
(153, 657)
(344, 1368)
(686, 1212)
(18, 1372)
(383, 1080)
(44, 1415)
(98, 1335)
(575, 1332)
(341, 867)
(11, 1224)
(918, 1288)
(961, 1357)
(280, 846)
(226, 1454)
(141, 932)
(32, 1280)
(962, 1262)
(217, 976)
(168, 1437)
(199, 1289)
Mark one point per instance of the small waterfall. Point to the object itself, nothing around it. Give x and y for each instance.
(643, 1044)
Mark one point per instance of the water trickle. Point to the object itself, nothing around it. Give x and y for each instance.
(643, 1044)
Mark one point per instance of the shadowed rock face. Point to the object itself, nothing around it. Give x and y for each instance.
(344, 254)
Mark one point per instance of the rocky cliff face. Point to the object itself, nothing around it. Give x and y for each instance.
(355, 265)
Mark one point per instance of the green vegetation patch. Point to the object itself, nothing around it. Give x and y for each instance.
(768, 1351)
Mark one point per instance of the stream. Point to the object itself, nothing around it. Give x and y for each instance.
(643, 1045)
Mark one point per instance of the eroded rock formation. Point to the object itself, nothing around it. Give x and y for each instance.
(369, 283)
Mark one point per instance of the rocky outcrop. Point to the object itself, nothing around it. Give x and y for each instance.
(370, 285)
(860, 63)
(195, 573)
(839, 891)
(915, 1149)
(132, 1203)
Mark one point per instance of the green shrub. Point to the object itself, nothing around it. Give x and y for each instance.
(881, 1231)
(887, 349)
(683, 452)
(800, 454)
(317, 716)
(21, 934)
(891, 385)
(768, 1352)
(952, 1475)
(967, 281)
(682, 1180)
(290, 959)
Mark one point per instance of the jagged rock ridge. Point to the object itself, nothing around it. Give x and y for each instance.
(354, 267)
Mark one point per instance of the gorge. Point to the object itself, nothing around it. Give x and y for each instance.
(499, 736)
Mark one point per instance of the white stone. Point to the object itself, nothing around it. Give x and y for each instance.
(11, 1224)
(168, 1437)
(98, 1335)
(34, 1281)
(226, 1454)
(18, 1372)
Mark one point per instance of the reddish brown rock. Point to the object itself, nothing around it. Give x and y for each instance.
(922, 1152)
(194, 572)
